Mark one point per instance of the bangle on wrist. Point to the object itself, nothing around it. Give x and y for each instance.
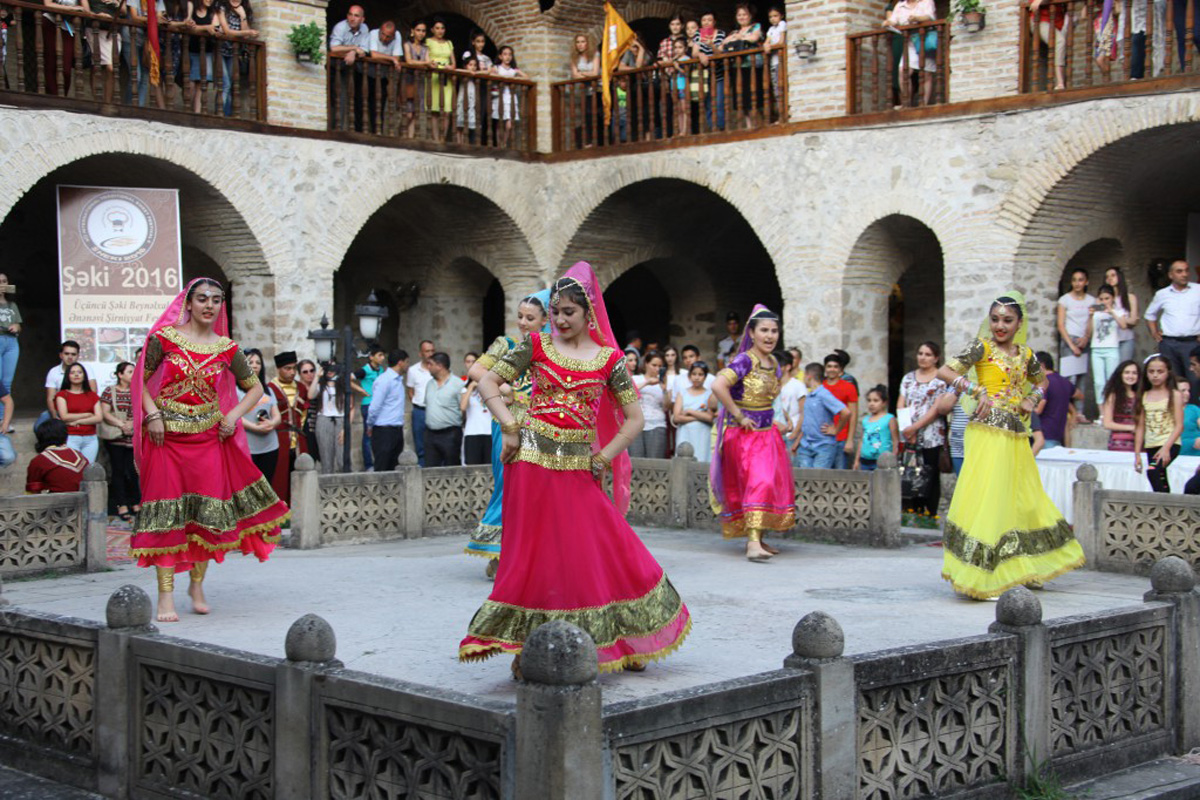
(510, 427)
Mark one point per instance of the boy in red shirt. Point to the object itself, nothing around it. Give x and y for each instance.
(844, 391)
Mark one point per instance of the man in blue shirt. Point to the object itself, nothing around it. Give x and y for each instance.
(386, 412)
(824, 417)
(361, 382)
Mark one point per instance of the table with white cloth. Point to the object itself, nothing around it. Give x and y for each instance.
(1114, 470)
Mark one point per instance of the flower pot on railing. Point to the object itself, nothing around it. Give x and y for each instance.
(974, 21)
(304, 57)
(806, 48)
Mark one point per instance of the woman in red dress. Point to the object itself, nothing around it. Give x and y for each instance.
(202, 496)
(569, 554)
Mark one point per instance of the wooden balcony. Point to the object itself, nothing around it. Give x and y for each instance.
(898, 68)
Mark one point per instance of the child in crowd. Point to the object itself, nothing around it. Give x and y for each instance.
(692, 415)
(1189, 439)
(505, 102)
(1159, 422)
(776, 40)
(824, 417)
(1118, 405)
(466, 113)
(1104, 329)
(879, 431)
(680, 86)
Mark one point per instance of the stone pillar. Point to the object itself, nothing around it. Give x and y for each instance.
(95, 487)
(1086, 512)
(559, 732)
(413, 487)
(310, 648)
(296, 92)
(128, 614)
(1172, 581)
(817, 646)
(680, 484)
(306, 504)
(885, 502)
(1019, 613)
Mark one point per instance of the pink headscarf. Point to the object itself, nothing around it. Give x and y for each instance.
(177, 314)
(610, 417)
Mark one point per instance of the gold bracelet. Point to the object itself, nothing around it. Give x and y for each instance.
(489, 398)
(510, 427)
(603, 459)
(599, 463)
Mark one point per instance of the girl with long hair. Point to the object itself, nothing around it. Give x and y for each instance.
(416, 54)
(441, 89)
(585, 63)
(1159, 420)
(506, 102)
(583, 413)
(1002, 530)
(1119, 406)
(919, 391)
(116, 407)
(330, 403)
(1127, 302)
(202, 496)
(79, 407)
(261, 421)
(652, 393)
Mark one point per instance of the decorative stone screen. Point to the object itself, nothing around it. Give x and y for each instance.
(47, 686)
(455, 497)
(1139, 528)
(42, 532)
(361, 506)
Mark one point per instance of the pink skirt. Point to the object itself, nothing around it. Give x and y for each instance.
(570, 555)
(759, 490)
(202, 498)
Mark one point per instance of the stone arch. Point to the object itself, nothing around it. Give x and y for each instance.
(892, 298)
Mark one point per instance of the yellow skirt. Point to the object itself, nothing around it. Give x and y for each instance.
(1002, 529)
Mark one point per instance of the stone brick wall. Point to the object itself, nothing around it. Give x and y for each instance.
(296, 93)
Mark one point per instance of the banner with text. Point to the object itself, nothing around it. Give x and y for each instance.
(120, 265)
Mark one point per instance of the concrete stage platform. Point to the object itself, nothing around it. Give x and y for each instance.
(400, 608)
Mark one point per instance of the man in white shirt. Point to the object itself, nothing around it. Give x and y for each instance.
(1179, 329)
(791, 397)
(348, 41)
(689, 355)
(419, 375)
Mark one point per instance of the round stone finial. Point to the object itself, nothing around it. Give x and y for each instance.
(310, 638)
(94, 472)
(1086, 473)
(559, 654)
(1018, 608)
(305, 463)
(128, 607)
(1172, 575)
(886, 460)
(818, 635)
(407, 459)
(685, 450)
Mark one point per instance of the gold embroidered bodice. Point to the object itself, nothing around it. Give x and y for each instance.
(187, 395)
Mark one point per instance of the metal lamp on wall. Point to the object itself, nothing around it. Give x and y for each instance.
(370, 317)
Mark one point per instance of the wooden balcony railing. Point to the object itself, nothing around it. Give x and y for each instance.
(1068, 44)
(60, 55)
(475, 109)
(744, 90)
(896, 68)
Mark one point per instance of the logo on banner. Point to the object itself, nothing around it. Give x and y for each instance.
(118, 227)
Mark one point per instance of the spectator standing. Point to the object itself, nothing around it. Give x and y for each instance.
(652, 441)
(116, 410)
(847, 392)
(68, 354)
(672, 371)
(1040, 20)
(293, 410)
(418, 376)
(689, 355)
(693, 419)
(57, 467)
(1055, 404)
(1159, 422)
(733, 326)
(385, 44)
(330, 404)
(919, 392)
(416, 54)
(1189, 437)
(349, 41)
(1126, 302)
(844, 359)
(477, 429)
(1119, 406)
(920, 59)
(52, 23)
(361, 382)
(748, 35)
(441, 89)
(776, 40)
(950, 404)
(386, 413)
(443, 414)
(791, 400)
(139, 11)
(7, 453)
(306, 370)
(585, 63)
(1074, 311)
(78, 405)
(478, 43)
(261, 421)
(824, 417)
(1174, 320)
(506, 102)
(466, 112)
(1104, 333)
(202, 21)
(10, 329)
(879, 431)
(668, 55)
(106, 38)
(708, 41)
(237, 20)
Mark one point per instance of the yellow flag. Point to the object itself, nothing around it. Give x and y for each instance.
(616, 40)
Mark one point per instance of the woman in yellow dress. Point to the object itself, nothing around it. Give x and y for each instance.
(441, 100)
(1002, 529)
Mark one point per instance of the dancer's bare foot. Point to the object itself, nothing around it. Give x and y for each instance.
(757, 553)
(166, 607)
(196, 592)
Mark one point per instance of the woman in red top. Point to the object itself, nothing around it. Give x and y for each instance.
(79, 407)
(56, 467)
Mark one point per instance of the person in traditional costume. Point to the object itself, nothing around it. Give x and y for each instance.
(532, 315)
(56, 467)
(202, 496)
(1002, 530)
(293, 407)
(750, 475)
(583, 414)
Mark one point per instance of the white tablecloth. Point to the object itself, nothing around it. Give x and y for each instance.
(1057, 467)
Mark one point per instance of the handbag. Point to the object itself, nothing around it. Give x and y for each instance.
(110, 433)
(915, 476)
(945, 460)
(931, 41)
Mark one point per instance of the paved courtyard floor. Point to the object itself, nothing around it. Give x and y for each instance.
(400, 608)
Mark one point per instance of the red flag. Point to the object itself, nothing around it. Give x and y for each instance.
(152, 48)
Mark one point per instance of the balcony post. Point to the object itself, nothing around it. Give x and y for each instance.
(295, 91)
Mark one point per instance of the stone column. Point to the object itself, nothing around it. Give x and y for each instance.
(1172, 581)
(680, 484)
(310, 648)
(1084, 504)
(296, 93)
(817, 646)
(560, 740)
(1019, 613)
(95, 487)
(306, 504)
(128, 614)
(413, 486)
(885, 502)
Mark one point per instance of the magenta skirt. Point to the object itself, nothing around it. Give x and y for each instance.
(759, 489)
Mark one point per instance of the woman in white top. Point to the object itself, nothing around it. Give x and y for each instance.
(652, 441)
(1128, 303)
(261, 422)
(585, 63)
(693, 419)
(330, 405)
(1074, 311)
(477, 429)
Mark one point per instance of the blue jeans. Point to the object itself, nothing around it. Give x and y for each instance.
(37, 423)
(867, 464)
(368, 457)
(839, 459)
(7, 454)
(819, 456)
(10, 351)
(718, 96)
(88, 445)
(227, 99)
(1104, 364)
(418, 424)
(958, 462)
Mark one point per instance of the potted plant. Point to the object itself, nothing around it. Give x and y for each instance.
(308, 42)
(806, 48)
(972, 13)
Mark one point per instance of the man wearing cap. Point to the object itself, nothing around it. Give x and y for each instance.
(1178, 330)
(725, 347)
(292, 407)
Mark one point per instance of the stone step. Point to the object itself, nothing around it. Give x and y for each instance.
(12, 478)
(1164, 779)
(20, 786)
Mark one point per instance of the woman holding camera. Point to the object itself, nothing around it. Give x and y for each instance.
(261, 421)
(330, 404)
